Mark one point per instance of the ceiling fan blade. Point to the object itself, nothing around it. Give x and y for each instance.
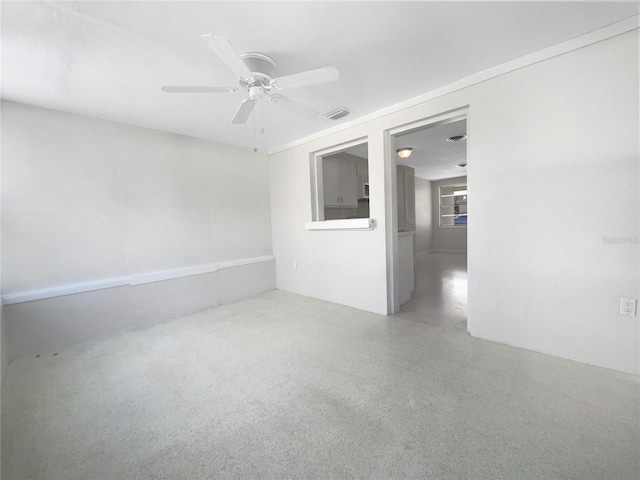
(243, 111)
(294, 107)
(228, 55)
(196, 89)
(305, 79)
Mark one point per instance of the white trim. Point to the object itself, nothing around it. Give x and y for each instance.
(443, 118)
(245, 261)
(30, 295)
(448, 251)
(391, 222)
(346, 224)
(342, 147)
(171, 274)
(613, 30)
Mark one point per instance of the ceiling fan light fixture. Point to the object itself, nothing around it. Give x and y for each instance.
(404, 152)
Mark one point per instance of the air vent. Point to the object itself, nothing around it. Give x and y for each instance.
(337, 113)
(457, 138)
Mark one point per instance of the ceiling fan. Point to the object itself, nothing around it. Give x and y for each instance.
(256, 72)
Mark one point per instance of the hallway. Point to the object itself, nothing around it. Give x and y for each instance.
(440, 295)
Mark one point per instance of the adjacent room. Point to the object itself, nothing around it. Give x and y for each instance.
(320, 239)
(432, 221)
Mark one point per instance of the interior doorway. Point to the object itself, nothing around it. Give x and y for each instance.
(431, 213)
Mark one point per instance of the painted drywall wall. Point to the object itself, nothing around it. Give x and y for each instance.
(548, 138)
(346, 267)
(451, 239)
(85, 200)
(560, 131)
(424, 222)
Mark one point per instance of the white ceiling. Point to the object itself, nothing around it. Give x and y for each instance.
(433, 157)
(109, 59)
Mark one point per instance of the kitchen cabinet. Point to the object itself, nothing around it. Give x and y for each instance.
(406, 188)
(406, 274)
(340, 182)
(362, 168)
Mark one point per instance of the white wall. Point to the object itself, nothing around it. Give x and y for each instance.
(446, 239)
(87, 200)
(424, 216)
(563, 131)
(346, 267)
(555, 147)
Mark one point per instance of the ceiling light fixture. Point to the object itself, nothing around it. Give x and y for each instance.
(462, 165)
(457, 138)
(404, 152)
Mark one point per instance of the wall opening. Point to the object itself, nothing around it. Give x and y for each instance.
(340, 182)
(423, 197)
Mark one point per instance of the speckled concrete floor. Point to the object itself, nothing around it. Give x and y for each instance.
(281, 385)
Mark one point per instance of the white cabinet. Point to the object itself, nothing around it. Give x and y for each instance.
(406, 183)
(362, 168)
(340, 182)
(406, 275)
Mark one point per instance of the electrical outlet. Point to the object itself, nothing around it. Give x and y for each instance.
(628, 306)
(295, 265)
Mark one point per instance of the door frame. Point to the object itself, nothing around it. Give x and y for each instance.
(391, 204)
